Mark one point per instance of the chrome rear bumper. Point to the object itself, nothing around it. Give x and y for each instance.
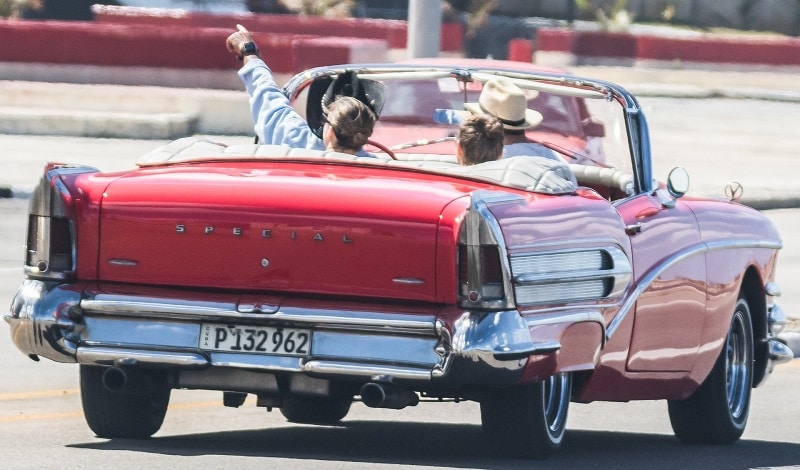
(161, 330)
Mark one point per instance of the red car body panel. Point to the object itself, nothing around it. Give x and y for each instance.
(246, 214)
(677, 331)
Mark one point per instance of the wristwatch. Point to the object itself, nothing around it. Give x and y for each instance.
(248, 48)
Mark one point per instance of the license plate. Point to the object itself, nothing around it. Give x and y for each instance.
(255, 339)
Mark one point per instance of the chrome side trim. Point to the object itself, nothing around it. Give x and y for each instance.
(125, 305)
(574, 317)
(123, 262)
(656, 271)
(408, 281)
(537, 347)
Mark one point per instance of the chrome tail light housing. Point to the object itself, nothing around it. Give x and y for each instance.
(484, 275)
(490, 279)
(570, 275)
(50, 248)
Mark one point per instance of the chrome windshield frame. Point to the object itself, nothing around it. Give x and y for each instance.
(637, 129)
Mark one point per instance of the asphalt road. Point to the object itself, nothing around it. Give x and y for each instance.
(42, 427)
(41, 424)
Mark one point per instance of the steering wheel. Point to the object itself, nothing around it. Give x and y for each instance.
(382, 148)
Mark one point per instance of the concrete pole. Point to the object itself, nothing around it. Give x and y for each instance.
(424, 28)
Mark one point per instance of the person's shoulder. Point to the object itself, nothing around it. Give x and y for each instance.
(529, 149)
(523, 145)
(523, 148)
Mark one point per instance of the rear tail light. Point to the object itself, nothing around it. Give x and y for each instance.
(50, 248)
(484, 280)
(488, 272)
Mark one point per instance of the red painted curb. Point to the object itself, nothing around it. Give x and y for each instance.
(706, 49)
(766, 52)
(86, 43)
(600, 44)
(554, 40)
(394, 32)
(520, 50)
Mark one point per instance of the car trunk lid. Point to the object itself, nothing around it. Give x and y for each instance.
(290, 227)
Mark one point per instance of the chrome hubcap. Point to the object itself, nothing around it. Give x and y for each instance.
(556, 399)
(737, 366)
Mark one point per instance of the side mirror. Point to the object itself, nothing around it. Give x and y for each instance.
(678, 182)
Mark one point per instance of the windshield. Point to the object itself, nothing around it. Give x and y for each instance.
(421, 115)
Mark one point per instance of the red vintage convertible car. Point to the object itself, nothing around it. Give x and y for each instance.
(315, 279)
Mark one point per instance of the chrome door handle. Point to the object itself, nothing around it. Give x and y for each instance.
(633, 229)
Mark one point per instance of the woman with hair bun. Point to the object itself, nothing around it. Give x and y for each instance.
(479, 139)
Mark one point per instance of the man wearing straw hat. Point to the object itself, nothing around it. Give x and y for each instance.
(507, 102)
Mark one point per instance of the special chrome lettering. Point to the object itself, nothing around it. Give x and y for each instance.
(266, 233)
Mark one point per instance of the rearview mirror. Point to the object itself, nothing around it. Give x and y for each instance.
(449, 116)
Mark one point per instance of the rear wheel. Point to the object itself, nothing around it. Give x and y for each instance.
(315, 410)
(528, 420)
(717, 412)
(118, 414)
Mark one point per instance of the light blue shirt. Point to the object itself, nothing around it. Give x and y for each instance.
(276, 122)
(528, 149)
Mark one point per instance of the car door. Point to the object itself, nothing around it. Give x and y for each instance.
(669, 264)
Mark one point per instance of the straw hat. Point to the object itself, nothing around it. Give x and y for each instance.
(507, 102)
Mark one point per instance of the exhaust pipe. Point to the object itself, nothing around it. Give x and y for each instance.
(377, 395)
(130, 381)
